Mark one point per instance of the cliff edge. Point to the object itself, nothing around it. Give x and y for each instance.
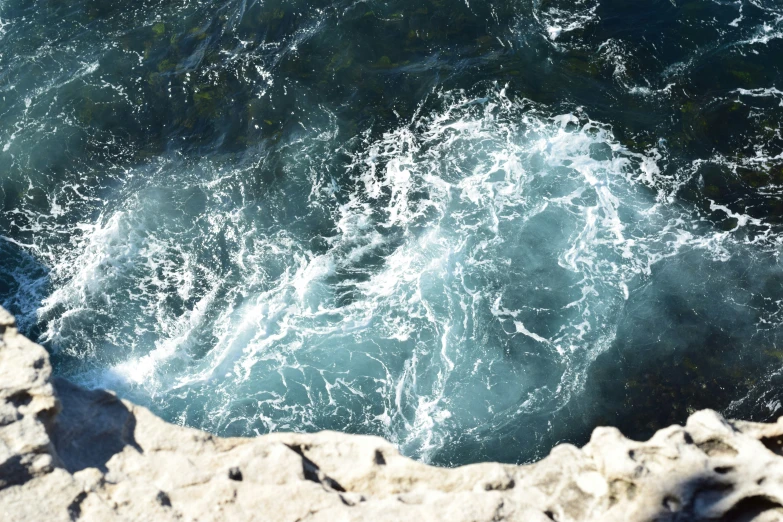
(69, 454)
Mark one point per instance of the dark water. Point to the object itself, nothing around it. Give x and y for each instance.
(474, 228)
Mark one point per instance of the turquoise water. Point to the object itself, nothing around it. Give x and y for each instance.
(475, 229)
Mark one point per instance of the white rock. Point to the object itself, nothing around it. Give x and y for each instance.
(71, 454)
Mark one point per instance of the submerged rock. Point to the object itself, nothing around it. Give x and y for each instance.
(67, 453)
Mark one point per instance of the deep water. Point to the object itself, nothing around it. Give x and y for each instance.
(474, 228)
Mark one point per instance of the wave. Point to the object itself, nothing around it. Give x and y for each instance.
(455, 279)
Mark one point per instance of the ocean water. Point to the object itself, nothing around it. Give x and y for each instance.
(477, 229)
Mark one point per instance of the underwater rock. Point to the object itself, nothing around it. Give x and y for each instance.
(67, 453)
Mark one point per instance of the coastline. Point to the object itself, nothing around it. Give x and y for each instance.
(67, 453)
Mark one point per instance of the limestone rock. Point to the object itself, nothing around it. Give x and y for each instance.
(68, 454)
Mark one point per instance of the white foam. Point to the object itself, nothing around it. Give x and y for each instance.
(484, 231)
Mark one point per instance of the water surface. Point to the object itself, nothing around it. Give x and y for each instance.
(477, 229)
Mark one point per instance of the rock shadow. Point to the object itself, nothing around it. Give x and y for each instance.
(93, 426)
(694, 500)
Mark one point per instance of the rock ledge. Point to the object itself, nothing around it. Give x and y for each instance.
(71, 454)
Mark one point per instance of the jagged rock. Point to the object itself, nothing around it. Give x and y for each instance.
(71, 454)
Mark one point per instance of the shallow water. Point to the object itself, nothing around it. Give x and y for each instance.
(476, 229)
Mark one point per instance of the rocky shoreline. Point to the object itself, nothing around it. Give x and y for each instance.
(69, 454)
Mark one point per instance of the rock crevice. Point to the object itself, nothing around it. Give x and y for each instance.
(70, 454)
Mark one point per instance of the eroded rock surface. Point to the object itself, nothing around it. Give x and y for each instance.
(71, 454)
